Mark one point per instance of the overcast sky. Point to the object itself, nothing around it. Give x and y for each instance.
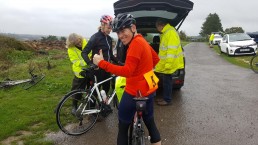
(62, 17)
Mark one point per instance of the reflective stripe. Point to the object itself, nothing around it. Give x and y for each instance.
(181, 54)
(169, 47)
(172, 56)
(79, 56)
(77, 73)
(173, 46)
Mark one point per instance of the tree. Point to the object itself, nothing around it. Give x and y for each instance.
(63, 38)
(49, 38)
(212, 24)
(234, 30)
(182, 35)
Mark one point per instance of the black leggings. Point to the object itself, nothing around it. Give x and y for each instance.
(102, 75)
(79, 83)
(122, 138)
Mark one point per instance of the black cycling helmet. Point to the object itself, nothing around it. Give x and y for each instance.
(122, 21)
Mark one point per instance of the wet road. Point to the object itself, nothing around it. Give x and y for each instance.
(217, 106)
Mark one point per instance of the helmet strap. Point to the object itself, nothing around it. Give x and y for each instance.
(132, 37)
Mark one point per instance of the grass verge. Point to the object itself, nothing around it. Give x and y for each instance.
(242, 61)
(26, 115)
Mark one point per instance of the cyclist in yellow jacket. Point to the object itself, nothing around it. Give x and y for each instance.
(211, 39)
(171, 58)
(75, 44)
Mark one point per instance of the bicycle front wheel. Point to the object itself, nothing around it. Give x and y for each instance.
(136, 133)
(81, 121)
(34, 80)
(254, 64)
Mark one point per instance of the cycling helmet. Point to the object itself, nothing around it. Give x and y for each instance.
(122, 21)
(106, 19)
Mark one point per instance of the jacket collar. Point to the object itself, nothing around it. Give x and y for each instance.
(166, 28)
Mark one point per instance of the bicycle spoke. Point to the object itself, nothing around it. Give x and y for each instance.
(85, 116)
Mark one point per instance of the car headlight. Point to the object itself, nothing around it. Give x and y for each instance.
(253, 44)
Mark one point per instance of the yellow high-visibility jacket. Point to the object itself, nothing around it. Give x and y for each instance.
(77, 61)
(211, 37)
(120, 87)
(170, 51)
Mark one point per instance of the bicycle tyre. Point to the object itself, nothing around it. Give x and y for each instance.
(79, 123)
(254, 63)
(34, 80)
(137, 134)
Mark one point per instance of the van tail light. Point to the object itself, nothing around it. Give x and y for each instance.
(179, 81)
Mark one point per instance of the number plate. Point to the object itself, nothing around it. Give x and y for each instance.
(242, 50)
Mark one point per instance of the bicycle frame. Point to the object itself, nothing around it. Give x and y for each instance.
(99, 97)
(12, 83)
(28, 83)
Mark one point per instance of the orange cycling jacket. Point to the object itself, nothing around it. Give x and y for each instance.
(140, 59)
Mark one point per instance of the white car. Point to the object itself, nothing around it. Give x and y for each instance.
(217, 39)
(238, 44)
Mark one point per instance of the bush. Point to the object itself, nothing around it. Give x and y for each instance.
(12, 43)
(13, 52)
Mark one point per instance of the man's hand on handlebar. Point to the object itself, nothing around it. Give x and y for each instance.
(93, 66)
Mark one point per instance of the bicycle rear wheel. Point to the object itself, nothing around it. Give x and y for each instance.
(34, 80)
(254, 64)
(85, 117)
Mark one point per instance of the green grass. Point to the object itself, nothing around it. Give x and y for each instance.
(32, 110)
(242, 61)
(184, 43)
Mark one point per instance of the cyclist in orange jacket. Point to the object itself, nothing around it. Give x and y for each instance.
(140, 60)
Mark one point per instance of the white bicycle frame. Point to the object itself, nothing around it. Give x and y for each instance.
(12, 83)
(95, 87)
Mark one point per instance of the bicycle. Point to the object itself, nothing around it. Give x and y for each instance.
(254, 63)
(28, 83)
(136, 130)
(90, 107)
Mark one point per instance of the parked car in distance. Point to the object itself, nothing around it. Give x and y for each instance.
(254, 36)
(217, 39)
(238, 44)
(146, 12)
